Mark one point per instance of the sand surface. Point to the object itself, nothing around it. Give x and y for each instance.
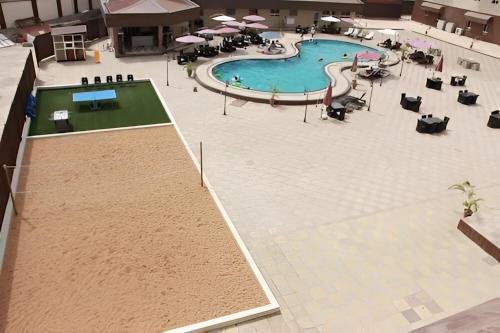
(116, 235)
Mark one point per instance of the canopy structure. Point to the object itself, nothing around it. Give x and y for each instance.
(222, 18)
(206, 32)
(190, 39)
(258, 26)
(477, 17)
(330, 19)
(254, 18)
(431, 7)
(227, 30)
(235, 24)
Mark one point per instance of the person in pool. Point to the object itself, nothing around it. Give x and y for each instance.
(236, 78)
(321, 59)
(344, 56)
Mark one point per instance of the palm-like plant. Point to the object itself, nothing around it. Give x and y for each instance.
(471, 203)
(274, 93)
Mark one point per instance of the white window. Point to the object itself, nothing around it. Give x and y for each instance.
(275, 12)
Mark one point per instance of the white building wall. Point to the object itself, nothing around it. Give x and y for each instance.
(48, 10)
(484, 6)
(13, 11)
(67, 6)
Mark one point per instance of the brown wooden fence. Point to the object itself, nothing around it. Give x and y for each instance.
(12, 132)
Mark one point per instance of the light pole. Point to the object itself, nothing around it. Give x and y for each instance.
(402, 64)
(225, 98)
(168, 60)
(371, 94)
(307, 102)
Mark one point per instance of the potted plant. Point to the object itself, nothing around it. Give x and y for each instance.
(189, 68)
(471, 203)
(274, 95)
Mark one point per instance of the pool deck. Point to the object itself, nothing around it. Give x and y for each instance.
(335, 70)
(350, 222)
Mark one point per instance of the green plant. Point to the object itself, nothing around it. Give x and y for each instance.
(274, 94)
(189, 68)
(471, 203)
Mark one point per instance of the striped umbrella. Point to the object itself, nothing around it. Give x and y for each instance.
(328, 99)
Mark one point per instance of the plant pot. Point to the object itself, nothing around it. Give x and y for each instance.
(467, 212)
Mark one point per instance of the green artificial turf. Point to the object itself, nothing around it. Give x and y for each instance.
(136, 104)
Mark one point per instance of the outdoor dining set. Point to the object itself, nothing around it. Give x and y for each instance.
(466, 97)
(410, 103)
(430, 124)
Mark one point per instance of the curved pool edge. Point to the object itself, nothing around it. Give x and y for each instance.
(334, 70)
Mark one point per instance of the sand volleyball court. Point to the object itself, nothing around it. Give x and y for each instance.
(116, 235)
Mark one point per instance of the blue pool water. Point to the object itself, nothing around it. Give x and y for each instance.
(291, 75)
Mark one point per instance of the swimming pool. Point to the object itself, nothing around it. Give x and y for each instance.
(290, 75)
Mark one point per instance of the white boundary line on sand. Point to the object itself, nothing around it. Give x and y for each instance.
(241, 316)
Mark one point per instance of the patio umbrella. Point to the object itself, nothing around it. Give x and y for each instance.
(222, 18)
(354, 66)
(330, 19)
(190, 39)
(206, 32)
(227, 30)
(348, 20)
(328, 99)
(270, 35)
(439, 66)
(254, 18)
(258, 26)
(235, 24)
(367, 55)
(420, 44)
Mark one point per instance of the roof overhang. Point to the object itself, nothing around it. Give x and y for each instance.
(477, 17)
(431, 7)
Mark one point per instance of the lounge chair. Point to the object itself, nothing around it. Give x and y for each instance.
(374, 73)
(119, 78)
(360, 35)
(85, 81)
(349, 32)
(387, 43)
(352, 102)
(369, 35)
(355, 33)
(109, 79)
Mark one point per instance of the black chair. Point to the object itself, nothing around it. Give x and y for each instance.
(119, 78)
(442, 125)
(85, 81)
(421, 126)
(130, 77)
(424, 116)
(494, 120)
(109, 79)
(97, 79)
(429, 116)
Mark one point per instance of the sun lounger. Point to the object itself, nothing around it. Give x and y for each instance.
(349, 32)
(369, 35)
(374, 73)
(355, 33)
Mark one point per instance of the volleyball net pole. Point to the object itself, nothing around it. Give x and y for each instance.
(7, 178)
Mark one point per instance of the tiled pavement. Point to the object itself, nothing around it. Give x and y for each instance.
(351, 223)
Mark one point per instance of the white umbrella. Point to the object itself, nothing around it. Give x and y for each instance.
(190, 39)
(222, 18)
(254, 18)
(330, 19)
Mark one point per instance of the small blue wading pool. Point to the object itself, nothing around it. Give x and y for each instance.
(290, 75)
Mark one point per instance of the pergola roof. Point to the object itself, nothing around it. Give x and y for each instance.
(148, 6)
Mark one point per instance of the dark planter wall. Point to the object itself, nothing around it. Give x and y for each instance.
(12, 132)
(44, 47)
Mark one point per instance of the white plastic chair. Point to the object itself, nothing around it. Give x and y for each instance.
(349, 32)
